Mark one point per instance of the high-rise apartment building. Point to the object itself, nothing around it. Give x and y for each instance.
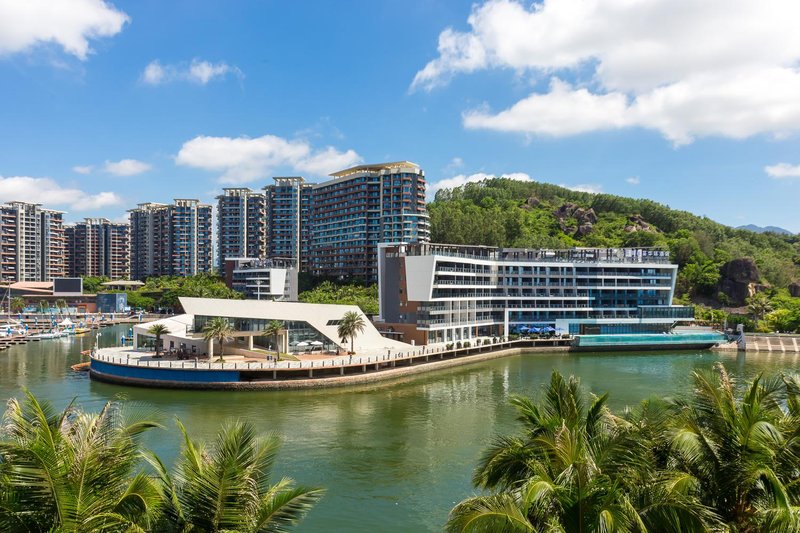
(241, 225)
(361, 207)
(171, 240)
(98, 247)
(32, 243)
(289, 202)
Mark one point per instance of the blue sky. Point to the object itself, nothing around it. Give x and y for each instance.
(109, 104)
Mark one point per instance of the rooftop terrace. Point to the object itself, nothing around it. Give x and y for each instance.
(490, 253)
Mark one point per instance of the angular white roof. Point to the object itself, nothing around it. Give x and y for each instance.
(318, 316)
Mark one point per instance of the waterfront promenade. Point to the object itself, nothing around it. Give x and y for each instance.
(127, 366)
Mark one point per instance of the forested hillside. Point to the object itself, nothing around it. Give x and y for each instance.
(503, 212)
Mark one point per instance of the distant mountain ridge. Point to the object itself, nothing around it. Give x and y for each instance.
(765, 229)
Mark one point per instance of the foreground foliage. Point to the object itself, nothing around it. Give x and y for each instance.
(720, 460)
(74, 471)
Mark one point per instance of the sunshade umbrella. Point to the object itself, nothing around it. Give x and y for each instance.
(302, 344)
(316, 343)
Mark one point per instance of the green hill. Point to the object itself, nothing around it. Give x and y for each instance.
(503, 212)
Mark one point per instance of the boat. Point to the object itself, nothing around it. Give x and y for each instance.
(81, 331)
(12, 329)
(45, 335)
(82, 367)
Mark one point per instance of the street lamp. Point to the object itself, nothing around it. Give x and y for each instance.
(258, 286)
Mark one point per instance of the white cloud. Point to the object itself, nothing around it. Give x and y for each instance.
(591, 188)
(463, 179)
(681, 67)
(633, 180)
(70, 25)
(198, 71)
(244, 159)
(783, 171)
(47, 192)
(153, 73)
(82, 169)
(562, 111)
(126, 167)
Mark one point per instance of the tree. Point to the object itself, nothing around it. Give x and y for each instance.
(219, 329)
(352, 324)
(274, 329)
(758, 305)
(74, 471)
(226, 486)
(158, 330)
(17, 304)
(576, 467)
(61, 304)
(739, 451)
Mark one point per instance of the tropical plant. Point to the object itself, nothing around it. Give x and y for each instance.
(740, 451)
(17, 304)
(226, 486)
(577, 467)
(758, 305)
(158, 330)
(352, 324)
(74, 471)
(219, 329)
(61, 304)
(274, 329)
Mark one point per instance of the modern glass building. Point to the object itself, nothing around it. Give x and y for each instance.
(170, 240)
(444, 293)
(361, 207)
(32, 243)
(241, 225)
(98, 247)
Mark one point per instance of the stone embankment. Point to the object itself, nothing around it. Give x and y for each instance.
(773, 343)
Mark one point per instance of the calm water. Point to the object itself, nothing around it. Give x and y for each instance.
(393, 457)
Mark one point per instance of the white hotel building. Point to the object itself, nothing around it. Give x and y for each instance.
(444, 293)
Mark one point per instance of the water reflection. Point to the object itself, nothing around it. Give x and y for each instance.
(396, 456)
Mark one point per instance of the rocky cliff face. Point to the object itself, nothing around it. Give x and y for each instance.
(794, 289)
(637, 223)
(739, 279)
(575, 220)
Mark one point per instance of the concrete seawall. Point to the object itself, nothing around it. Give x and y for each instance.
(773, 343)
(372, 376)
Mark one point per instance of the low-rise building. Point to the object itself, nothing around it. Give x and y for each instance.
(436, 293)
(305, 327)
(262, 279)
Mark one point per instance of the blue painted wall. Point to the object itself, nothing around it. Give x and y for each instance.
(166, 374)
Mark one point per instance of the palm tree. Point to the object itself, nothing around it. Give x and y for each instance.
(61, 304)
(226, 486)
(219, 329)
(158, 330)
(352, 324)
(274, 329)
(577, 468)
(74, 471)
(17, 304)
(740, 451)
(759, 305)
